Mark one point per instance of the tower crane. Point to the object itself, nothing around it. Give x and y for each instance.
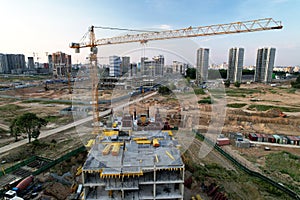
(146, 36)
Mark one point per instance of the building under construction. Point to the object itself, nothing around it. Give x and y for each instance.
(126, 164)
(61, 64)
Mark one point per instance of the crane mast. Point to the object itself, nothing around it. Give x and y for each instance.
(200, 31)
(94, 77)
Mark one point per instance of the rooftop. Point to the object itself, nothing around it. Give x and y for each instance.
(133, 154)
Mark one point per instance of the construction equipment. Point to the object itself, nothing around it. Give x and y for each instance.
(275, 113)
(219, 29)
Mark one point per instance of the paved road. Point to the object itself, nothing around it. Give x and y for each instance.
(275, 144)
(4, 127)
(71, 125)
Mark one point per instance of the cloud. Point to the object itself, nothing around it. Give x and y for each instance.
(165, 27)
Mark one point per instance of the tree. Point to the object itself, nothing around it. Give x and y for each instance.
(227, 83)
(14, 130)
(29, 124)
(237, 84)
(172, 86)
(164, 90)
(216, 74)
(188, 80)
(191, 72)
(296, 84)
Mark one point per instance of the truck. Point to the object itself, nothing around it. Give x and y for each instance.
(16, 192)
(12, 195)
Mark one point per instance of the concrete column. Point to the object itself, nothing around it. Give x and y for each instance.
(154, 185)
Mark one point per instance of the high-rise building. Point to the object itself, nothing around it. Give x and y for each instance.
(264, 64)
(30, 63)
(133, 69)
(125, 65)
(202, 65)
(12, 63)
(235, 64)
(179, 67)
(50, 63)
(3, 64)
(61, 63)
(153, 68)
(114, 66)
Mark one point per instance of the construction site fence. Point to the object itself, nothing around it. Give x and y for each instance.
(59, 160)
(17, 166)
(286, 190)
(50, 163)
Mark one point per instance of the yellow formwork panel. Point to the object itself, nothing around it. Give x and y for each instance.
(90, 143)
(115, 150)
(143, 142)
(110, 133)
(170, 155)
(198, 197)
(140, 138)
(155, 143)
(79, 171)
(106, 149)
(170, 133)
(113, 143)
(118, 175)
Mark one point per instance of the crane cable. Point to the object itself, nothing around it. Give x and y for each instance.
(115, 28)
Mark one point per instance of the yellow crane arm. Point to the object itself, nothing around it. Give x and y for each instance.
(218, 29)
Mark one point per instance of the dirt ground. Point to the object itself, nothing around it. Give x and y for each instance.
(180, 112)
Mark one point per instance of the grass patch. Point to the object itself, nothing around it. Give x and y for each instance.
(206, 100)
(48, 102)
(273, 91)
(222, 177)
(291, 91)
(236, 105)
(9, 112)
(24, 78)
(285, 163)
(51, 118)
(199, 91)
(10, 108)
(241, 92)
(284, 156)
(236, 95)
(268, 107)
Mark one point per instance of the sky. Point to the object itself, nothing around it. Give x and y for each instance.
(42, 26)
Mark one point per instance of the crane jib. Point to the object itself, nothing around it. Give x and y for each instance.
(201, 31)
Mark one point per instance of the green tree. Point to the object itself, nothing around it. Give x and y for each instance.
(29, 124)
(227, 83)
(296, 84)
(216, 74)
(14, 130)
(237, 84)
(188, 80)
(191, 72)
(164, 90)
(172, 86)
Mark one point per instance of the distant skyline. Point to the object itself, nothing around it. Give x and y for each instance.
(49, 26)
